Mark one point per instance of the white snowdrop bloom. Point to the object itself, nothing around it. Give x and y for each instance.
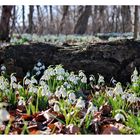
(73, 79)
(27, 82)
(13, 78)
(92, 78)
(45, 77)
(134, 77)
(33, 89)
(21, 101)
(27, 74)
(42, 83)
(81, 73)
(72, 96)
(33, 80)
(67, 85)
(119, 116)
(63, 91)
(100, 79)
(36, 68)
(43, 67)
(57, 93)
(91, 108)
(109, 93)
(59, 70)
(52, 101)
(14, 85)
(4, 115)
(50, 72)
(56, 108)
(60, 77)
(3, 68)
(97, 93)
(39, 64)
(48, 93)
(132, 99)
(38, 73)
(118, 89)
(80, 103)
(19, 86)
(84, 79)
(2, 86)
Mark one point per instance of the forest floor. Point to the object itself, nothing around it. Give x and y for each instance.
(63, 90)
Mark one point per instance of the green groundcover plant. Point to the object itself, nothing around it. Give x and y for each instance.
(63, 102)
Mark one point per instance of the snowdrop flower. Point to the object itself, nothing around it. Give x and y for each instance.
(36, 68)
(80, 103)
(118, 89)
(84, 79)
(27, 82)
(33, 80)
(56, 108)
(3, 68)
(60, 77)
(13, 78)
(39, 64)
(134, 77)
(21, 101)
(63, 92)
(92, 78)
(59, 70)
(14, 85)
(97, 93)
(43, 67)
(72, 96)
(38, 73)
(81, 73)
(33, 89)
(119, 117)
(101, 79)
(109, 93)
(57, 93)
(27, 74)
(4, 115)
(91, 108)
(132, 99)
(45, 77)
(67, 85)
(42, 83)
(72, 78)
(19, 86)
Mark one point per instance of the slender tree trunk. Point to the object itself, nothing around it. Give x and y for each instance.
(23, 17)
(81, 25)
(14, 18)
(51, 14)
(136, 19)
(5, 23)
(65, 13)
(30, 17)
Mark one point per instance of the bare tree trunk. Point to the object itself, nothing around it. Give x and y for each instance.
(94, 19)
(51, 14)
(136, 19)
(65, 12)
(14, 18)
(30, 17)
(5, 23)
(23, 17)
(81, 25)
(126, 18)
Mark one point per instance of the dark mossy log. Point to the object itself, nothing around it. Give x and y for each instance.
(111, 59)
